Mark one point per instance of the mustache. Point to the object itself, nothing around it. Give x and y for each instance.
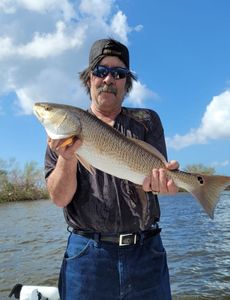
(107, 88)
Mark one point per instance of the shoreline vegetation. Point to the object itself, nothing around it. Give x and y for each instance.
(28, 183)
(21, 184)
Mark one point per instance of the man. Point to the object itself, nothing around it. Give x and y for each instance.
(114, 250)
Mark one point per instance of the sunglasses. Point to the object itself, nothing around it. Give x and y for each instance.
(116, 72)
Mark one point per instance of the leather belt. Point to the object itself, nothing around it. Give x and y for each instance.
(123, 239)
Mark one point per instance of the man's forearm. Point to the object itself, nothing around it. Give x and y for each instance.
(62, 182)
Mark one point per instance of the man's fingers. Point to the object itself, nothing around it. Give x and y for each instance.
(172, 165)
(146, 184)
(163, 181)
(172, 188)
(158, 181)
(52, 143)
(155, 184)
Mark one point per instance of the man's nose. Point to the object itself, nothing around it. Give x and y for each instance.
(108, 79)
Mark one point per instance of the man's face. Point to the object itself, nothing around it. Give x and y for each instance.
(113, 98)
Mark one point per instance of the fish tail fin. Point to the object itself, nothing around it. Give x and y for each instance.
(208, 192)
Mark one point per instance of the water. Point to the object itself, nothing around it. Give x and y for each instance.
(198, 248)
(33, 237)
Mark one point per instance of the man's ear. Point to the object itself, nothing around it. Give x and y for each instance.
(88, 82)
(88, 89)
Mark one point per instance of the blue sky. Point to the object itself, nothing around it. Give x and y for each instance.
(179, 50)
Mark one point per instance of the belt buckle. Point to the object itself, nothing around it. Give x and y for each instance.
(123, 236)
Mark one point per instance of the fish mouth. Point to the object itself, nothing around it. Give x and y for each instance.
(38, 115)
(40, 106)
(35, 111)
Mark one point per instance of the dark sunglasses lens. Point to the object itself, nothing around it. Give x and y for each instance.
(117, 72)
(100, 71)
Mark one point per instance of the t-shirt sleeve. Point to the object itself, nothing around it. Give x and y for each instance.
(155, 133)
(50, 161)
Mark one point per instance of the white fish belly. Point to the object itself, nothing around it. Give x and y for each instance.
(110, 165)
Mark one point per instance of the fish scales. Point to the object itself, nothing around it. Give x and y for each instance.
(113, 143)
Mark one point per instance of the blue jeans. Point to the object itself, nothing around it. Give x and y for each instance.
(102, 271)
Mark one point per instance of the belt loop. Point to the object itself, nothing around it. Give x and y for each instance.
(97, 237)
(141, 235)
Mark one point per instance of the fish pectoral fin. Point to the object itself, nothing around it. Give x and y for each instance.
(67, 142)
(85, 164)
(151, 149)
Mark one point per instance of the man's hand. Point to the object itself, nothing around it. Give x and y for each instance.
(65, 147)
(158, 182)
(62, 182)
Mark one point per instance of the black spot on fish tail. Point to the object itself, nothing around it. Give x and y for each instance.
(200, 179)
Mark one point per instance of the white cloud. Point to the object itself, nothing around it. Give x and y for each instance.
(120, 26)
(215, 124)
(25, 100)
(6, 48)
(138, 28)
(7, 6)
(224, 163)
(98, 9)
(40, 6)
(139, 94)
(67, 90)
(45, 43)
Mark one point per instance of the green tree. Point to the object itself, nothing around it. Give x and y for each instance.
(33, 175)
(3, 178)
(200, 168)
(3, 174)
(21, 184)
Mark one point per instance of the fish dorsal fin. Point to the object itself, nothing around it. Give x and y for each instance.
(150, 148)
(85, 164)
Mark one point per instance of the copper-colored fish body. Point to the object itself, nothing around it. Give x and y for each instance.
(108, 150)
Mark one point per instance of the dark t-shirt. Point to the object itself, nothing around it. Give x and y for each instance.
(105, 203)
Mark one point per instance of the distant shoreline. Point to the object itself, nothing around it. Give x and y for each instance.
(26, 195)
(22, 200)
(45, 196)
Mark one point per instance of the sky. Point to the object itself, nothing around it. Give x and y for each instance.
(179, 50)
